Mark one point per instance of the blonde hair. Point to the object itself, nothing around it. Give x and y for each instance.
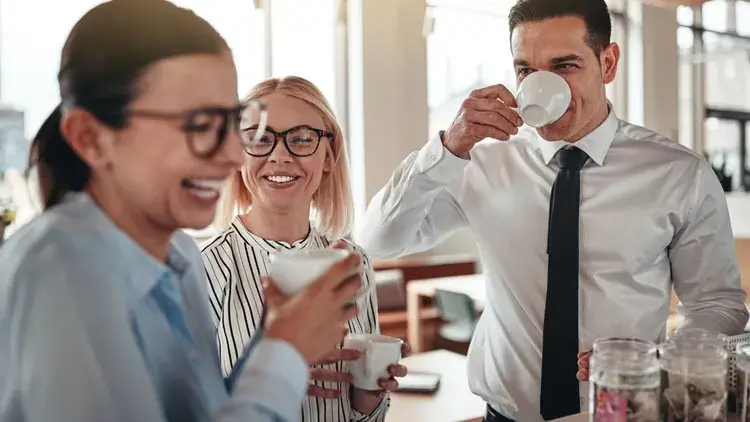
(332, 204)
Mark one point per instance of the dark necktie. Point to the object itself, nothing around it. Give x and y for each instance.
(559, 394)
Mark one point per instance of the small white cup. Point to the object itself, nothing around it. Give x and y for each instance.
(543, 97)
(293, 270)
(378, 353)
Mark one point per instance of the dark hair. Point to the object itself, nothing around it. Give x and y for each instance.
(595, 15)
(107, 51)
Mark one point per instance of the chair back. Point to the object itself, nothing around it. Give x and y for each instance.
(454, 306)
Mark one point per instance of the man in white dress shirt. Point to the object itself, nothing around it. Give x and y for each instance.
(650, 214)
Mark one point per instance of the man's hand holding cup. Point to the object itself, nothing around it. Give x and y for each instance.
(486, 113)
(493, 112)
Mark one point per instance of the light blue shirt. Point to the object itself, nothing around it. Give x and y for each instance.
(92, 328)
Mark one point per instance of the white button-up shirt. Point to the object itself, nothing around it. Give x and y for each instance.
(653, 216)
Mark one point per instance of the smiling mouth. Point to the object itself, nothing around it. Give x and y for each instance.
(280, 179)
(204, 188)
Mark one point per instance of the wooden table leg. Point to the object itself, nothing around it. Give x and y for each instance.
(413, 307)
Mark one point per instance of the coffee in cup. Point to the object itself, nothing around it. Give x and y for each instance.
(293, 270)
(543, 97)
(378, 353)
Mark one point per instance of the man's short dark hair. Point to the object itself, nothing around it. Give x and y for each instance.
(595, 15)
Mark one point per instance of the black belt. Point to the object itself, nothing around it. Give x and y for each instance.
(493, 415)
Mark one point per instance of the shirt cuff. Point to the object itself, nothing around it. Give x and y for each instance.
(375, 415)
(275, 375)
(437, 163)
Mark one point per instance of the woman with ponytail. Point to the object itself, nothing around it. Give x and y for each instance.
(103, 304)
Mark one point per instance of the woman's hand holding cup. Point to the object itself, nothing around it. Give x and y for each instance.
(375, 372)
(328, 298)
(328, 375)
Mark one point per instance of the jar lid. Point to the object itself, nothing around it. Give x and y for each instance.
(624, 363)
(698, 335)
(693, 358)
(624, 345)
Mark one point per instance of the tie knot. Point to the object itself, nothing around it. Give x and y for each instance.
(571, 157)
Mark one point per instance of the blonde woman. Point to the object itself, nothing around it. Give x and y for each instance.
(292, 193)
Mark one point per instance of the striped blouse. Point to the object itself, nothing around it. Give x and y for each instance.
(235, 261)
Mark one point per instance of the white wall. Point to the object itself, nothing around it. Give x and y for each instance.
(652, 68)
(387, 87)
(388, 94)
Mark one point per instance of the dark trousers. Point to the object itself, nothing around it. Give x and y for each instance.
(493, 415)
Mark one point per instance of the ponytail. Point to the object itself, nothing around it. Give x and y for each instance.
(60, 169)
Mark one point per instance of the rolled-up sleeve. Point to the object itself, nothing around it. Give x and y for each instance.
(704, 265)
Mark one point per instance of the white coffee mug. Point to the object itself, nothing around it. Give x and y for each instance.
(543, 97)
(378, 353)
(293, 270)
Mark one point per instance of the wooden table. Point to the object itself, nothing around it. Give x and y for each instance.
(453, 402)
(584, 417)
(471, 285)
(580, 417)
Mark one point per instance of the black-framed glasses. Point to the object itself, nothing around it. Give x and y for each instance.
(207, 128)
(300, 141)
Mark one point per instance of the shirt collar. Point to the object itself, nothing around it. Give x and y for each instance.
(269, 245)
(595, 144)
(144, 271)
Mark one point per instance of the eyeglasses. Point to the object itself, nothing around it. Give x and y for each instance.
(207, 128)
(300, 141)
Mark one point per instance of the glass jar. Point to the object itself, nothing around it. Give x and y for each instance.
(624, 386)
(694, 382)
(743, 382)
